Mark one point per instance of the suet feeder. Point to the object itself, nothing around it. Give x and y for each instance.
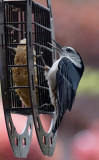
(33, 21)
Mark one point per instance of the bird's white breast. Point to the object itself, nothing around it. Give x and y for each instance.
(52, 75)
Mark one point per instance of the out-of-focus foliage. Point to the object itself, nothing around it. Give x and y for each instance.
(90, 82)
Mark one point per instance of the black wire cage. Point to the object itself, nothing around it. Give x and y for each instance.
(32, 22)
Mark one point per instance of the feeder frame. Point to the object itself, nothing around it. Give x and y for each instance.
(33, 21)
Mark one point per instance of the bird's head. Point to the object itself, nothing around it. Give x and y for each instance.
(69, 53)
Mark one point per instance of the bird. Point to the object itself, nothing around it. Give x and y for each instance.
(63, 78)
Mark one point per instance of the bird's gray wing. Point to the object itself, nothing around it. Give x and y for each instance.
(68, 78)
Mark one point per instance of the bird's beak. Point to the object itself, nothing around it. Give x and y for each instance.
(56, 46)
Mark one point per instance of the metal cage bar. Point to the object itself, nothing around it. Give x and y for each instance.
(10, 98)
(34, 22)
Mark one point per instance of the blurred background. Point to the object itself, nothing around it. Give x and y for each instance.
(77, 25)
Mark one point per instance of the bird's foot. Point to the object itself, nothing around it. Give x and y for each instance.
(47, 68)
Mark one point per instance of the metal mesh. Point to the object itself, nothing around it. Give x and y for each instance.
(15, 30)
(42, 36)
(15, 25)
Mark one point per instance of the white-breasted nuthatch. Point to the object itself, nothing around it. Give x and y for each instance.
(63, 79)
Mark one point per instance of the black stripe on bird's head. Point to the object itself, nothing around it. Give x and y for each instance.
(74, 56)
(69, 53)
(62, 51)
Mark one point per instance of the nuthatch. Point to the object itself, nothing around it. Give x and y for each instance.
(63, 79)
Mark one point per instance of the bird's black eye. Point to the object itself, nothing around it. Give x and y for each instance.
(68, 50)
